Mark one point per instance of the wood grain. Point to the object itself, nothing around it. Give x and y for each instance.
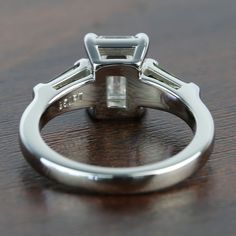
(193, 39)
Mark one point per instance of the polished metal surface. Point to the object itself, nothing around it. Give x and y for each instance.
(116, 82)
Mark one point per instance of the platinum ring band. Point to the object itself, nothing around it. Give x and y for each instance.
(78, 88)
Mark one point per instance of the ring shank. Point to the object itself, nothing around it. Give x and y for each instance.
(184, 102)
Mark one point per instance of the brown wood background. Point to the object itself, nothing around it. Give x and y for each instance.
(195, 40)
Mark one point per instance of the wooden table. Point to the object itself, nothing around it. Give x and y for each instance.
(193, 39)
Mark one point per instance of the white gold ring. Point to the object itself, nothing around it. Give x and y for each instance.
(116, 82)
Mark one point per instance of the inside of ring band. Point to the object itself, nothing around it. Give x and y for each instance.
(88, 96)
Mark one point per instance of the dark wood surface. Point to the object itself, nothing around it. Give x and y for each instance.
(193, 39)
